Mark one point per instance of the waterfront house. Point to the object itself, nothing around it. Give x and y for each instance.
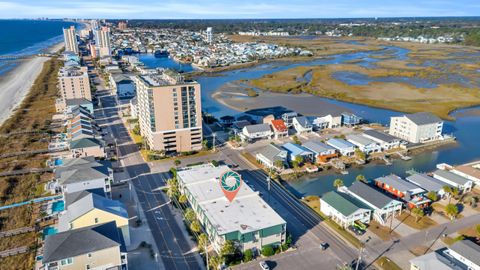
(294, 151)
(382, 205)
(322, 153)
(93, 247)
(454, 180)
(470, 171)
(280, 130)
(85, 208)
(417, 128)
(466, 252)
(258, 131)
(270, 155)
(79, 174)
(344, 209)
(411, 194)
(327, 121)
(302, 125)
(350, 119)
(363, 143)
(240, 124)
(345, 148)
(386, 141)
(427, 183)
(288, 118)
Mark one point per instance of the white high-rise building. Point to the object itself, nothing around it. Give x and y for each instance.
(70, 36)
(103, 42)
(209, 35)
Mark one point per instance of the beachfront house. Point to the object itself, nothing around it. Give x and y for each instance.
(258, 131)
(301, 124)
(363, 143)
(454, 180)
(280, 130)
(386, 141)
(271, 155)
(295, 151)
(417, 128)
(382, 205)
(322, 153)
(344, 209)
(411, 194)
(100, 246)
(345, 148)
(85, 147)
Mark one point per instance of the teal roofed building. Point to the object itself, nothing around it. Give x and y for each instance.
(344, 209)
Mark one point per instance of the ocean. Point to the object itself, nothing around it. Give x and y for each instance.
(27, 37)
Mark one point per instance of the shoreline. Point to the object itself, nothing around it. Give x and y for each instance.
(17, 82)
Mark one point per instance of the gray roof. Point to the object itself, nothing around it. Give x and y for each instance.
(357, 138)
(81, 241)
(72, 197)
(88, 202)
(258, 128)
(80, 169)
(467, 249)
(434, 260)
(77, 101)
(423, 118)
(317, 147)
(426, 182)
(382, 136)
(241, 124)
(272, 152)
(340, 143)
(121, 77)
(369, 194)
(85, 142)
(303, 121)
(460, 180)
(398, 183)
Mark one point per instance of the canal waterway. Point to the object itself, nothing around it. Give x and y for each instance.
(466, 127)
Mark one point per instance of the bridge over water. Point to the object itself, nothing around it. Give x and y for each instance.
(14, 58)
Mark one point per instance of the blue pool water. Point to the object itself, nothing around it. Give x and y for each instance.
(49, 231)
(58, 206)
(58, 162)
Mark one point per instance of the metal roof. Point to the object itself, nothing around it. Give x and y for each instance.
(343, 203)
(317, 147)
(295, 149)
(399, 184)
(258, 128)
(426, 182)
(340, 143)
(272, 152)
(468, 250)
(359, 139)
(369, 194)
(423, 118)
(451, 176)
(381, 136)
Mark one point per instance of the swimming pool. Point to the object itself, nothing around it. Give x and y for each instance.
(58, 162)
(58, 206)
(49, 231)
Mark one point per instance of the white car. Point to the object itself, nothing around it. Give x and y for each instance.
(264, 265)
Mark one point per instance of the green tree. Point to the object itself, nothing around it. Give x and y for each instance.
(215, 262)
(448, 192)
(455, 192)
(172, 188)
(477, 228)
(182, 199)
(361, 178)
(202, 241)
(296, 140)
(248, 255)
(195, 226)
(418, 213)
(361, 155)
(279, 164)
(432, 195)
(299, 160)
(215, 163)
(451, 210)
(177, 162)
(190, 214)
(268, 251)
(228, 248)
(338, 183)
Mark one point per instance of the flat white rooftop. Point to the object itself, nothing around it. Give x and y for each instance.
(247, 213)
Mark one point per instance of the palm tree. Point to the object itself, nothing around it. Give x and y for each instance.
(215, 262)
(451, 210)
(190, 214)
(455, 192)
(418, 213)
(195, 226)
(177, 162)
(338, 183)
(278, 164)
(182, 199)
(432, 195)
(202, 241)
(448, 191)
(360, 178)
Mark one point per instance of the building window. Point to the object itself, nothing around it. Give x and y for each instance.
(96, 220)
(67, 261)
(89, 255)
(87, 266)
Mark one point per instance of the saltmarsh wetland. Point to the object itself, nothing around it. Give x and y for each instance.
(398, 76)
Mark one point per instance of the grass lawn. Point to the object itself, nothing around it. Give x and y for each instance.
(252, 160)
(419, 251)
(387, 264)
(314, 203)
(440, 209)
(383, 232)
(469, 232)
(423, 222)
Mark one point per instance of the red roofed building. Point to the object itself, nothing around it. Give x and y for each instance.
(279, 128)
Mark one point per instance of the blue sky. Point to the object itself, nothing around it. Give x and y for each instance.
(209, 9)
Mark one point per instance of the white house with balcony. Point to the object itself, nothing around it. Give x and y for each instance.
(417, 128)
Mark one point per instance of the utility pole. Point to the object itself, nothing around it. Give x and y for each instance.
(359, 258)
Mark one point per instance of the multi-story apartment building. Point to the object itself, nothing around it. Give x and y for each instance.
(169, 112)
(74, 83)
(103, 43)
(70, 37)
(417, 128)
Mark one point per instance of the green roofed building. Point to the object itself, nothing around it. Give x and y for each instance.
(248, 220)
(344, 209)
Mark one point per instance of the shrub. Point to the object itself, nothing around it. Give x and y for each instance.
(248, 255)
(268, 251)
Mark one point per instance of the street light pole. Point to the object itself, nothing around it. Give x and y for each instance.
(359, 258)
(214, 135)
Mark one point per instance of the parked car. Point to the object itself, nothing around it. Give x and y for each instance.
(356, 230)
(324, 245)
(264, 265)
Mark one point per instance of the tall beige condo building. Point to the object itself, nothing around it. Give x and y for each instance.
(169, 112)
(70, 37)
(74, 83)
(103, 42)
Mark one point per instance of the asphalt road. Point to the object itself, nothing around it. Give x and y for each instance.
(174, 248)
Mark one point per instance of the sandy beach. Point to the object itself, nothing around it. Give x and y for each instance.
(15, 84)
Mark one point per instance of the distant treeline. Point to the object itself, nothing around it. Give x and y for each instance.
(457, 27)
